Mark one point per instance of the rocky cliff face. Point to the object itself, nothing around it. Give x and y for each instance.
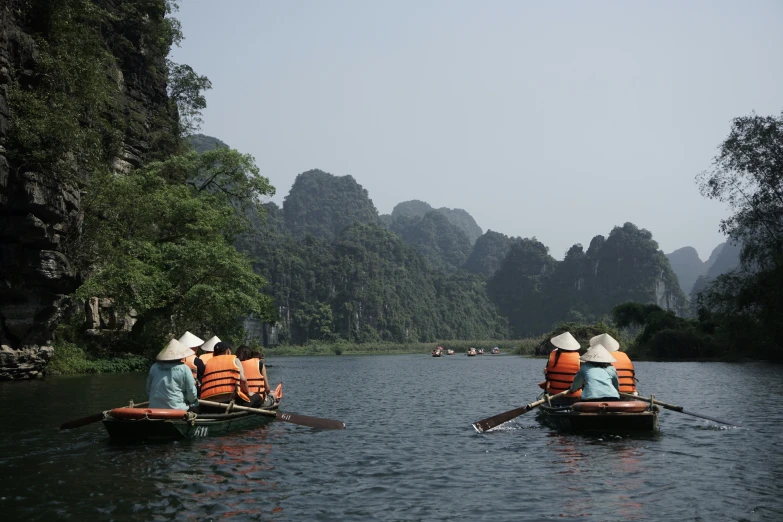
(40, 210)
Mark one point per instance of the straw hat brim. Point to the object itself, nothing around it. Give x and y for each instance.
(566, 342)
(609, 342)
(598, 354)
(174, 351)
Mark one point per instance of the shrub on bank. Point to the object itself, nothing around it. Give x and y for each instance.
(69, 359)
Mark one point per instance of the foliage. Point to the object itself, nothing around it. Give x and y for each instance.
(69, 359)
(186, 90)
(62, 111)
(161, 245)
(443, 244)
(202, 143)
(456, 216)
(748, 175)
(535, 291)
(488, 253)
(322, 205)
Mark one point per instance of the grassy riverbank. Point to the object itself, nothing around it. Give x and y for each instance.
(70, 359)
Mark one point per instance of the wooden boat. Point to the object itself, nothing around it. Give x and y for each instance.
(495, 350)
(480, 351)
(598, 416)
(471, 352)
(450, 352)
(437, 353)
(137, 424)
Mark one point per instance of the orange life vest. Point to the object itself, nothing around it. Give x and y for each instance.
(560, 372)
(221, 379)
(190, 363)
(255, 379)
(206, 356)
(625, 372)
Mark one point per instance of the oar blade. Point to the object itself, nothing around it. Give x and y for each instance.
(84, 421)
(312, 422)
(492, 422)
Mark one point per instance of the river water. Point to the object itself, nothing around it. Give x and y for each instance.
(408, 453)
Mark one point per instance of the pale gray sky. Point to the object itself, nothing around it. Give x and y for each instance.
(557, 120)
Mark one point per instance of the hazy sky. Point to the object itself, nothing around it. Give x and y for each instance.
(557, 120)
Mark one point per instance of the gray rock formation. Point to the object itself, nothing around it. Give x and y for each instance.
(39, 211)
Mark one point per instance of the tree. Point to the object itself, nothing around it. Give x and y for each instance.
(159, 241)
(748, 175)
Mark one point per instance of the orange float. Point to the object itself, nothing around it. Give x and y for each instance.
(610, 406)
(147, 413)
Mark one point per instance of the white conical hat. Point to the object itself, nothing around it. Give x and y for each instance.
(607, 341)
(209, 346)
(598, 354)
(566, 342)
(174, 351)
(190, 340)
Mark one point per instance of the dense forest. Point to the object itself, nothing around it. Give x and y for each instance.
(338, 271)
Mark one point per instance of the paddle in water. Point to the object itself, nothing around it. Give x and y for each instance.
(674, 407)
(293, 418)
(487, 424)
(84, 421)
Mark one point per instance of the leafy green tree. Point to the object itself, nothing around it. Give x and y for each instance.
(163, 247)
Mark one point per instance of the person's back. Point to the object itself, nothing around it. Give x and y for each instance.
(562, 365)
(221, 379)
(170, 383)
(625, 371)
(598, 382)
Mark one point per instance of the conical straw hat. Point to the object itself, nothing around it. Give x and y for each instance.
(190, 340)
(174, 351)
(598, 354)
(566, 342)
(209, 346)
(607, 340)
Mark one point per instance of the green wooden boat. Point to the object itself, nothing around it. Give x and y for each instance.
(189, 426)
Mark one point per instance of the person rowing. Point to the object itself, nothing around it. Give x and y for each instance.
(596, 377)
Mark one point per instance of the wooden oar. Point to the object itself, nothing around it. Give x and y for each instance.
(674, 407)
(487, 424)
(84, 421)
(293, 418)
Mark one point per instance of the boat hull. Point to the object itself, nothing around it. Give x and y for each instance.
(563, 418)
(167, 430)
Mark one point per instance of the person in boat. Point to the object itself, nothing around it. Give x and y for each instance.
(170, 383)
(201, 361)
(597, 378)
(193, 342)
(255, 372)
(625, 371)
(562, 366)
(224, 379)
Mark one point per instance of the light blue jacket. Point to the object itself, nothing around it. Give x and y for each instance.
(598, 382)
(171, 385)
